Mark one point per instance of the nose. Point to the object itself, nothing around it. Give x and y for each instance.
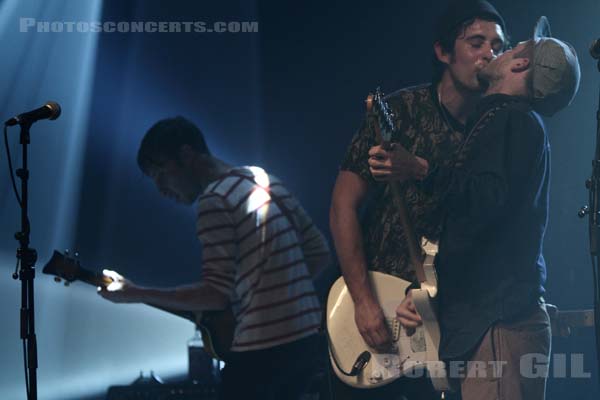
(488, 53)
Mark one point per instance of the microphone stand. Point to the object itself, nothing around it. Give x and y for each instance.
(27, 257)
(592, 211)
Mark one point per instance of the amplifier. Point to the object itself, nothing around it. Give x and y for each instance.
(182, 391)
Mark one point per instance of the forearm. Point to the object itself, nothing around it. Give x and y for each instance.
(347, 238)
(193, 297)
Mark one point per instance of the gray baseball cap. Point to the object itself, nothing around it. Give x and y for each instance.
(556, 71)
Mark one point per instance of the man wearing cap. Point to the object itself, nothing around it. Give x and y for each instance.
(430, 120)
(495, 199)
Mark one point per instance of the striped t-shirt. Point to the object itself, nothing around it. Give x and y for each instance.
(259, 258)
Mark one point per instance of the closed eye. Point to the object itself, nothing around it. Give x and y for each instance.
(476, 43)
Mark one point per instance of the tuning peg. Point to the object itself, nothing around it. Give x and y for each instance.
(57, 279)
(76, 254)
(66, 252)
(67, 283)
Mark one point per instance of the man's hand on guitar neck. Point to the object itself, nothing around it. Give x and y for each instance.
(120, 290)
(372, 325)
(396, 164)
(407, 314)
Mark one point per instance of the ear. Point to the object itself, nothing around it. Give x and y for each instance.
(519, 65)
(440, 54)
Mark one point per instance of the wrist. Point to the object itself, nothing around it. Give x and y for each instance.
(366, 301)
(140, 294)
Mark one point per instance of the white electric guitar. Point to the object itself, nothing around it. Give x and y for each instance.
(412, 353)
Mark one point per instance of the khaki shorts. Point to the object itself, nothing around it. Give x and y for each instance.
(511, 362)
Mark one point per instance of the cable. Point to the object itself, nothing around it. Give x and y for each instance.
(10, 167)
(359, 364)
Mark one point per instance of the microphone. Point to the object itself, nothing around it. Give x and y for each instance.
(50, 110)
(595, 49)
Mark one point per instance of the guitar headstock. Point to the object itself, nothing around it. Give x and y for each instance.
(381, 116)
(68, 268)
(62, 266)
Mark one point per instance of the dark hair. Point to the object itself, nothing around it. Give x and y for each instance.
(448, 40)
(164, 139)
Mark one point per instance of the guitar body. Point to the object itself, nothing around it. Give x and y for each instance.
(216, 328)
(410, 355)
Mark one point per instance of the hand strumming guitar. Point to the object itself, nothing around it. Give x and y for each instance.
(372, 325)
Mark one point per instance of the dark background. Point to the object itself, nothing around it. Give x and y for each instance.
(287, 98)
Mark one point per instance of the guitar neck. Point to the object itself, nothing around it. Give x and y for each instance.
(189, 315)
(413, 247)
(93, 278)
(414, 250)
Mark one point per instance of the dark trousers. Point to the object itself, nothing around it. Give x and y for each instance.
(278, 373)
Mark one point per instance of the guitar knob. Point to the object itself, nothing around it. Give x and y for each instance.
(57, 279)
(387, 362)
(376, 376)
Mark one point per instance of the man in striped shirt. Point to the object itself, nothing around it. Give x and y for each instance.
(260, 254)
